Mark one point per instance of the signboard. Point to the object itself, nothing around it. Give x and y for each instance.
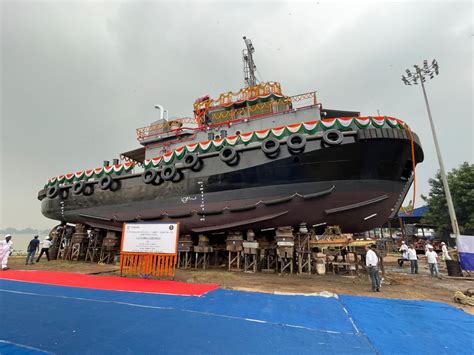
(151, 238)
(149, 249)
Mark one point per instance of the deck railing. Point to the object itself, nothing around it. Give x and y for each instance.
(164, 127)
(260, 110)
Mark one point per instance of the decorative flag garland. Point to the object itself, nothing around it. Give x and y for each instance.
(309, 127)
(93, 173)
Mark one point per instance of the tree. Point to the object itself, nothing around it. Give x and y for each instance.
(461, 184)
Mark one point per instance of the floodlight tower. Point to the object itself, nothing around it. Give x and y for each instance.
(420, 75)
(249, 65)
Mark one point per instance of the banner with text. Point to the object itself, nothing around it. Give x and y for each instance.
(151, 238)
(149, 249)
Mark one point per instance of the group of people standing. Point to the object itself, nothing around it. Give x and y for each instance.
(409, 253)
(34, 246)
(6, 249)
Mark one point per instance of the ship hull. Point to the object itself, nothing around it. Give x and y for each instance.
(357, 185)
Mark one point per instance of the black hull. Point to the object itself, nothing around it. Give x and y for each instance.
(356, 185)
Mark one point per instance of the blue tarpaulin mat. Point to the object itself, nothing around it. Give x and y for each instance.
(412, 327)
(68, 320)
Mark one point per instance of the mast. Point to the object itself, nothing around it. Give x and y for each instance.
(249, 65)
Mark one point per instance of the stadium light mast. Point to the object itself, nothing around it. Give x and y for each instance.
(419, 75)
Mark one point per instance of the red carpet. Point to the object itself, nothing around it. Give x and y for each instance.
(113, 283)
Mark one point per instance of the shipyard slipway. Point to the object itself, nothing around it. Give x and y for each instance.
(255, 158)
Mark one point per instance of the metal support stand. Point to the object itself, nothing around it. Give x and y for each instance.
(250, 262)
(93, 249)
(110, 248)
(234, 261)
(234, 246)
(268, 259)
(285, 263)
(185, 259)
(250, 253)
(75, 251)
(106, 256)
(201, 260)
(285, 248)
(185, 247)
(303, 252)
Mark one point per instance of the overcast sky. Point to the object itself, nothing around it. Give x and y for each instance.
(77, 79)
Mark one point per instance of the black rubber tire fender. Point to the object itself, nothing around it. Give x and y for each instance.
(271, 147)
(168, 172)
(296, 143)
(52, 191)
(229, 155)
(192, 161)
(149, 176)
(177, 177)
(332, 137)
(64, 193)
(78, 187)
(105, 182)
(88, 190)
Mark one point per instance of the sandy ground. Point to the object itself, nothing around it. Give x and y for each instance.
(398, 282)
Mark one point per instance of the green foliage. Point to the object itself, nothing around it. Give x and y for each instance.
(461, 184)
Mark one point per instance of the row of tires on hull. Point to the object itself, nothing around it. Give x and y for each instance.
(83, 188)
(296, 144)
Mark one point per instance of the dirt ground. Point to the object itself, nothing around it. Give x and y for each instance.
(397, 283)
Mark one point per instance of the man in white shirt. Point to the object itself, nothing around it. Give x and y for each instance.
(444, 249)
(413, 259)
(6, 248)
(404, 250)
(432, 259)
(372, 262)
(427, 247)
(44, 249)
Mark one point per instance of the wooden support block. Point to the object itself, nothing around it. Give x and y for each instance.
(234, 260)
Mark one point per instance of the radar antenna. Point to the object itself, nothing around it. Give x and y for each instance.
(249, 65)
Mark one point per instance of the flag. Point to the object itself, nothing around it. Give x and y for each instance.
(465, 244)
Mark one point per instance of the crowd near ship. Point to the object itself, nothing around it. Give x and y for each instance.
(256, 158)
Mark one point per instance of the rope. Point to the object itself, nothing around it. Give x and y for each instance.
(412, 143)
(460, 297)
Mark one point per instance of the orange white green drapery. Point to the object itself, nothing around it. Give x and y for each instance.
(309, 127)
(93, 173)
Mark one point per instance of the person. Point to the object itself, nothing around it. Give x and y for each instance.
(44, 249)
(372, 262)
(427, 246)
(6, 249)
(344, 254)
(33, 247)
(404, 251)
(413, 259)
(444, 249)
(432, 259)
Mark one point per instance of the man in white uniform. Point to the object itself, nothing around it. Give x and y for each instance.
(404, 250)
(413, 259)
(44, 249)
(427, 246)
(444, 249)
(6, 248)
(372, 262)
(432, 259)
